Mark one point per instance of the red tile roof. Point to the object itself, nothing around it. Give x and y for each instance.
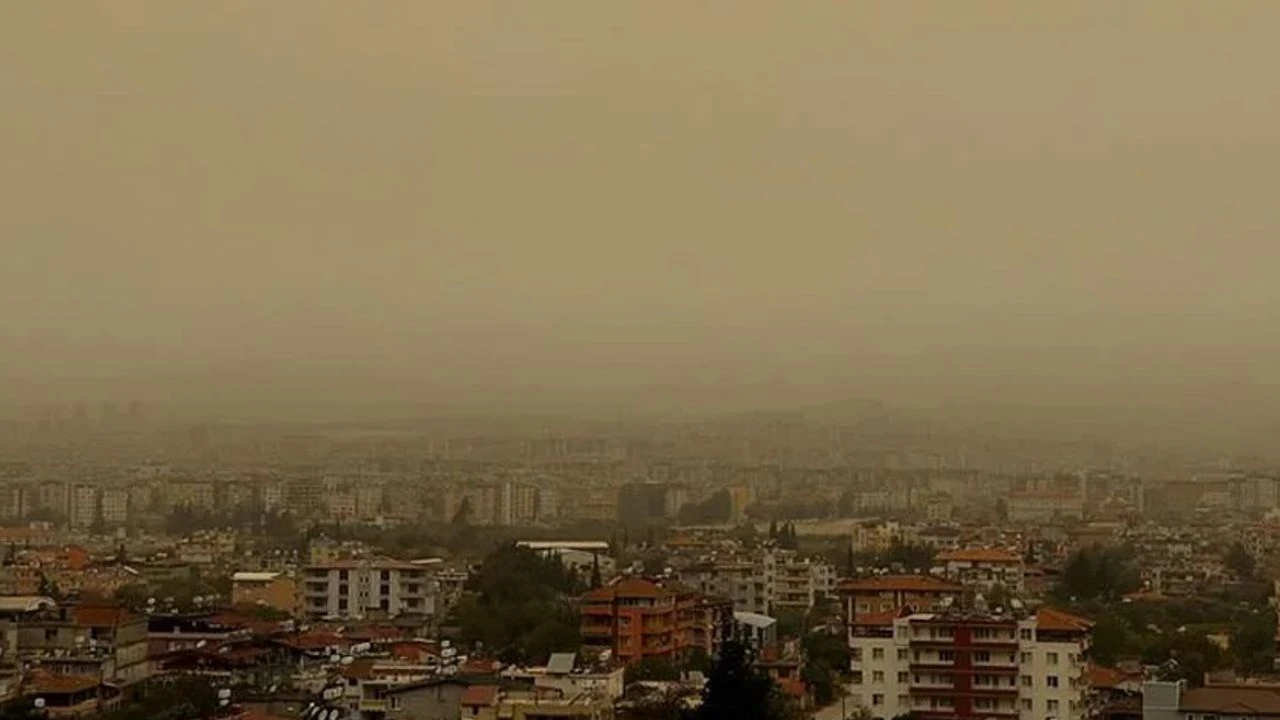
(1108, 678)
(101, 615)
(63, 684)
(880, 619)
(992, 555)
(484, 695)
(1231, 700)
(1050, 619)
(899, 583)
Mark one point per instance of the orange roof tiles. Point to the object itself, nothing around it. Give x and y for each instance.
(900, 583)
(880, 619)
(101, 615)
(1050, 619)
(1105, 677)
(63, 684)
(484, 695)
(991, 555)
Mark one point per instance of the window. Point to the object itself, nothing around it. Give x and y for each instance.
(343, 589)
(877, 699)
(1026, 704)
(1025, 659)
(904, 700)
(342, 575)
(877, 653)
(386, 576)
(946, 656)
(904, 678)
(857, 677)
(877, 676)
(1026, 681)
(1025, 633)
(384, 590)
(342, 605)
(856, 654)
(393, 702)
(1051, 681)
(1052, 706)
(902, 654)
(982, 656)
(1051, 658)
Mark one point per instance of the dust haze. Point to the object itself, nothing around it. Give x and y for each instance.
(684, 206)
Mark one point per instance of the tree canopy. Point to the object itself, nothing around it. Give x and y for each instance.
(1105, 574)
(518, 604)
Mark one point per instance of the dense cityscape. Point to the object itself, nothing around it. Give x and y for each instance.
(606, 360)
(597, 569)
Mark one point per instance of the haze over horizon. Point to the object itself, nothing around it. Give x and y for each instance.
(716, 205)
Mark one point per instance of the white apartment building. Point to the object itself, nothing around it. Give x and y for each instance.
(84, 506)
(764, 583)
(191, 493)
(369, 498)
(359, 588)
(944, 666)
(115, 506)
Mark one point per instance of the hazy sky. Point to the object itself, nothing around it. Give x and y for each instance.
(967, 199)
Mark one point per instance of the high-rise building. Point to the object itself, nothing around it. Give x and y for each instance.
(84, 506)
(641, 503)
(962, 666)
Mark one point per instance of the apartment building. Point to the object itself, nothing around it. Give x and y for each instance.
(892, 593)
(197, 494)
(637, 619)
(765, 582)
(984, 568)
(115, 506)
(360, 588)
(84, 640)
(84, 506)
(951, 665)
(1041, 506)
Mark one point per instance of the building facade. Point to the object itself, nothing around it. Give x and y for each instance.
(950, 665)
(363, 588)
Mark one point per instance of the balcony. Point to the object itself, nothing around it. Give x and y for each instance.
(595, 630)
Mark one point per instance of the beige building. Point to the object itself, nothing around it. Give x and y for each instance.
(266, 589)
(115, 506)
(361, 588)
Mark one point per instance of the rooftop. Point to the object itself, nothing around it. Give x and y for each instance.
(900, 583)
(994, 555)
(484, 695)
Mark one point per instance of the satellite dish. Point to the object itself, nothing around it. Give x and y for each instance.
(39, 703)
(347, 660)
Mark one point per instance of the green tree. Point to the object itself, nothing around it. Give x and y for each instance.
(1253, 643)
(1112, 640)
(1104, 574)
(651, 669)
(736, 690)
(518, 605)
